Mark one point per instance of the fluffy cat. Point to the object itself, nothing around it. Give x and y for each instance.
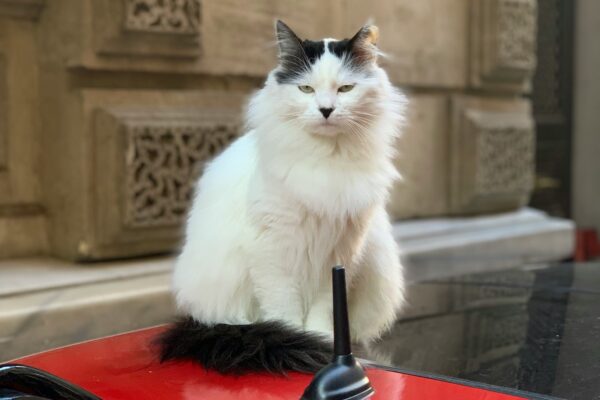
(303, 190)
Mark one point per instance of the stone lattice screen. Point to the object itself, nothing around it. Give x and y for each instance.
(162, 164)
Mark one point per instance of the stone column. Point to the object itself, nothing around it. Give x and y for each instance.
(22, 215)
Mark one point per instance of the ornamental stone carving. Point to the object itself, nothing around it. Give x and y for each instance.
(503, 43)
(516, 33)
(170, 16)
(504, 157)
(163, 161)
(492, 155)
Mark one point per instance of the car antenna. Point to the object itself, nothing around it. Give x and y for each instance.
(344, 377)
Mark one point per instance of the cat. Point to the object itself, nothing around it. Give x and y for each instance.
(303, 190)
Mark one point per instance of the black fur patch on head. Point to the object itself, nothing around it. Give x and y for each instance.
(340, 48)
(358, 51)
(295, 55)
(237, 349)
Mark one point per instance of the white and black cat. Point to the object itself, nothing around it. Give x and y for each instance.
(303, 190)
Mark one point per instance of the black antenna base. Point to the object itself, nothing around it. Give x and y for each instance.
(344, 378)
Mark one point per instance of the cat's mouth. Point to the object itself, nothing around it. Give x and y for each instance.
(326, 128)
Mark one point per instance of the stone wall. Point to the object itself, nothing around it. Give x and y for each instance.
(108, 109)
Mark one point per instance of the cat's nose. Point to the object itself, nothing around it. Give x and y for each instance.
(326, 112)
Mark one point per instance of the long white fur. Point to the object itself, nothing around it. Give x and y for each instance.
(293, 197)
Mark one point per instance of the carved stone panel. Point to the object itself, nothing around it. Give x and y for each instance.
(147, 164)
(492, 155)
(149, 28)
(503, 35)
(163, 16)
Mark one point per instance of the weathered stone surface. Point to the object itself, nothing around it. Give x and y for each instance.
(23, 232)
(3, 115)
(492, 154)
(425, 39)
(22, 223)
(423, 159)
(502, 35)
(19, 102)
(28, 9)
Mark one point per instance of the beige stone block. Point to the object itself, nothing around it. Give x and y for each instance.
(27, 9)
(492, 149)
(3, 115)
(502, 44)
(425, 39)
(22, 221)
(19, 103)
(423, 159)
(22, 232)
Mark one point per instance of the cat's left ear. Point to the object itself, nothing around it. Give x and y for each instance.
(364, 44)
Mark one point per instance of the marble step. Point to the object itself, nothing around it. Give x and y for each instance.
(41, 310)
(443, 247)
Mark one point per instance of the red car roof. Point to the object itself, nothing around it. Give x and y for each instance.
(126, 367)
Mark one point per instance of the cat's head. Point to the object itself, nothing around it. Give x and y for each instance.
(327, 86)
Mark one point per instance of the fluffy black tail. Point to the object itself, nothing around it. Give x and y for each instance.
(237, 349)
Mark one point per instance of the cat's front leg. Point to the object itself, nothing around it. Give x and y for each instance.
(319, 317)
(378, 287)
(277, 293)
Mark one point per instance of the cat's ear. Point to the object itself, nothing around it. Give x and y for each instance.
(364, 44)
(289, 43)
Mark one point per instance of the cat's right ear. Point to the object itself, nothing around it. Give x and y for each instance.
(289, 43)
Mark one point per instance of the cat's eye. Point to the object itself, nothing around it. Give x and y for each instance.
(306, 88)
(345, 88)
